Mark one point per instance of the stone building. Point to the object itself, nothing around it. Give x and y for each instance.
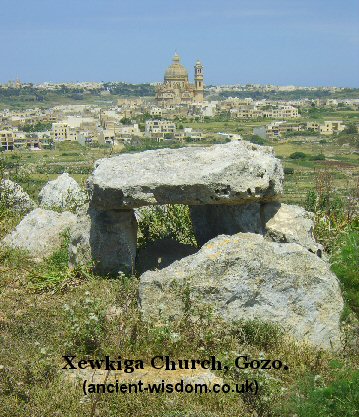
(7, 140)
(159, 128)
(176, 88)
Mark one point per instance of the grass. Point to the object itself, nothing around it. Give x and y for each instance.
(339, 161)
(43, 327)
(345, 264)
(51, 273)
(48, 310)
(339, 398)
(33, 169)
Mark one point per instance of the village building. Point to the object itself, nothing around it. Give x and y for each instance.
(327, 128)
(156, 111)
(282, 112)
(159, 128)
(7, 140)
(278, 129)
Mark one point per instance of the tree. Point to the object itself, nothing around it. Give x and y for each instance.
(350, 129)
(125, 121)
(37, 127)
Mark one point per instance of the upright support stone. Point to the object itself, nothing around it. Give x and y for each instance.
(113, 238)
(210, 221)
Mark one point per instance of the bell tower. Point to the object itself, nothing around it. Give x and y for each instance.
(198, 81)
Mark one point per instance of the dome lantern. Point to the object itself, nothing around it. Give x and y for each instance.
(176, 71)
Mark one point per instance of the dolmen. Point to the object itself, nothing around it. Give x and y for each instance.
(256, 259)
(224, 185)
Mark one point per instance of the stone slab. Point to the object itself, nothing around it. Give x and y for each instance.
(232, 173)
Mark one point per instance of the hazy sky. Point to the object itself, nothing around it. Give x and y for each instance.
(302, 42)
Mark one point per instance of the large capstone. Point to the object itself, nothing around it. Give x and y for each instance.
(230, 173)
(245, 276)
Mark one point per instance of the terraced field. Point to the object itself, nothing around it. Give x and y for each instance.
(33, 169)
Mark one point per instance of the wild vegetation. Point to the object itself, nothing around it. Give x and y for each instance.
(27, 96)
(71, 312)
(337, 228)
(48, 310)
(12, 97)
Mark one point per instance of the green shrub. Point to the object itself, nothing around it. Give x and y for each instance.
(336, 227)
(350, 129)
(298, 155)
(310, 200)
(340, 398)
(288, 171)
(319, 157)
(37, 127)
(257, 140)
(352, 140)
(330, 221)
(168, 221)
(335, 213)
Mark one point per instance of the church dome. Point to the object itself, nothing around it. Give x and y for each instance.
(176, 71)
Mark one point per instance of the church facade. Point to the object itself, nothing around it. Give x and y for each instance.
(176, 89)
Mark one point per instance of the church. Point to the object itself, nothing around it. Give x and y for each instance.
(176, 88)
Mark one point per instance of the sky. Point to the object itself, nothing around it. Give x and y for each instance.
(282, 42)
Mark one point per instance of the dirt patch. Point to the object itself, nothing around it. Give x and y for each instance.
(337, 164)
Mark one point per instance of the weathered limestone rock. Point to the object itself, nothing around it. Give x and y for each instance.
(79, 247)
(210, 221)
(232, 173)
(40, 232)
(245, 276)
(162, 253)
(14, 197)
(62, 193)
(107, 238)
(290, 224)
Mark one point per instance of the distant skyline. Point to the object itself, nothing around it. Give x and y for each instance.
(281, 42)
